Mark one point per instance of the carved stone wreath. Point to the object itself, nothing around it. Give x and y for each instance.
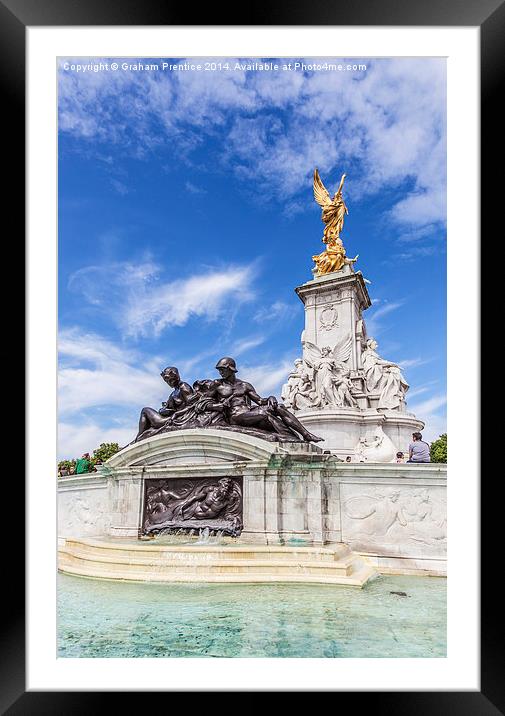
(328, 318)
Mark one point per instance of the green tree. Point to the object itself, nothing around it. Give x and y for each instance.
(104, 452)
(438, 449)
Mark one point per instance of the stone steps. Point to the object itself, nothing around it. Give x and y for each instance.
(218, 565)
(215, 563)
(120, 551)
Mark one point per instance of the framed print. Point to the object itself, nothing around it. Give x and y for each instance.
(232, 156)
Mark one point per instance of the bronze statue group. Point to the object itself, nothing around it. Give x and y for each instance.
(223, 403)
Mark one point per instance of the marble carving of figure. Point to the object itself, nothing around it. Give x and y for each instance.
(393, 390)
(298, 392)
(342, 389)
(383, 377)
(327, 364)
(378, 512)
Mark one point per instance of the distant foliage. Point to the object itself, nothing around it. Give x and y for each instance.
(438, 449)
(104, 452)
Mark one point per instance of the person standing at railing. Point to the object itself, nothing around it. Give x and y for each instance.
(83, 464)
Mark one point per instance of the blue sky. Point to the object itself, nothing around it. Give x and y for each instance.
(186, 219)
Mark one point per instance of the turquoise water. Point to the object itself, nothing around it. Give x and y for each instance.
(112, 619)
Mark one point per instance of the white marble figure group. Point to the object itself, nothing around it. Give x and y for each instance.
(323, 379)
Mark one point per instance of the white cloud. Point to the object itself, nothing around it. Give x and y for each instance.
(120, 187)
(106, 285)
(74, 440)
(386, 126)
(150, 305)
(267, 378)
(374, 322)
(413, 253)
(95, 372)
(246, 344)
(414, 392)
(435, 423)
(428, 406)
(412, 362)
(193, 189)
(419, 390)
(173, 304)
(278, 311)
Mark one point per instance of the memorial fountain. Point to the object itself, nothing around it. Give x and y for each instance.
(257, 487)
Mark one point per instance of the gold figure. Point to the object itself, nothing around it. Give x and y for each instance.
(334, 210)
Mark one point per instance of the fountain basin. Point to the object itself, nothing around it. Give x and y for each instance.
(393, 616)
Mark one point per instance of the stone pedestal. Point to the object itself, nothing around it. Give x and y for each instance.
(334, 306)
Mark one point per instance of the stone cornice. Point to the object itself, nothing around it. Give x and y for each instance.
(336, 282)
(86, 480)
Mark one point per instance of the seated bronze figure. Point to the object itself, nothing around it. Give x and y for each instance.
(227, 402)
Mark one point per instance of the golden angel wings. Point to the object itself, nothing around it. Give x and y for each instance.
(334, 209)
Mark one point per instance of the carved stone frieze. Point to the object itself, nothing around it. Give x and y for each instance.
(395, 519)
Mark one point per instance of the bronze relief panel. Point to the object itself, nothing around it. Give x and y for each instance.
(172, 505)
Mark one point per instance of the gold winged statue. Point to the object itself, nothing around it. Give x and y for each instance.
(333, 257)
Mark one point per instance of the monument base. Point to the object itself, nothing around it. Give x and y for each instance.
(343, 428)
(291, 496)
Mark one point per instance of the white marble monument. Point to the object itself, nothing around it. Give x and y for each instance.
(341, 388)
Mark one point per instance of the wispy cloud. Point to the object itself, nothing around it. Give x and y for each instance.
(107, 284)
(412, 362)
(414, 253)
(388, 124)
(428, 406)
(173, 304)
(421, 389)
(120, 187)
(151, 305)
(278, 311)
(435, 425)
(193, 189)
(246, 344)
(375, 321)
(431, 411)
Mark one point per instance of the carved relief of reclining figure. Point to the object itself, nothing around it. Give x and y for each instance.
(218, 505)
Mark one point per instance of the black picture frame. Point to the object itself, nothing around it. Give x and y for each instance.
(489, 15)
